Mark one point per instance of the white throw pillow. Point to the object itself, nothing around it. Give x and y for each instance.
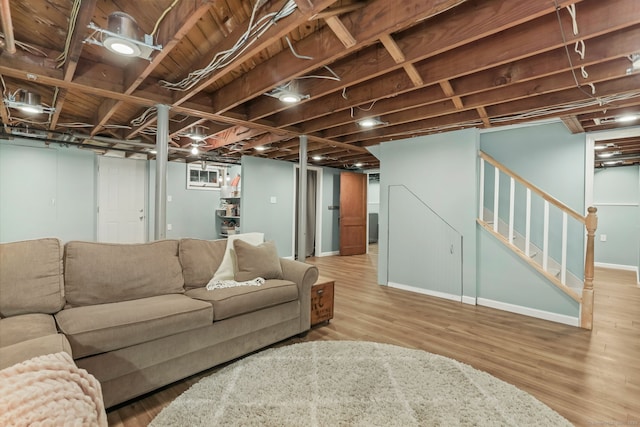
(226, 271)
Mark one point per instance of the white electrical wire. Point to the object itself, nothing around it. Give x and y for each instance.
(592, 101)
(27, 47)
(75, 9)
(224, 58)
(140, 120)
(155, 27)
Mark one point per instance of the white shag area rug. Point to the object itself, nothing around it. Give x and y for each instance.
(346, 383)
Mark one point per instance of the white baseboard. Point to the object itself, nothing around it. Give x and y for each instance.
(531, 312)
(616, 266)
(425, 291)
(332, 253)
(620, 267)
(469, 300)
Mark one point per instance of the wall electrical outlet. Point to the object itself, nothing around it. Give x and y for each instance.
(603, 237)
(273, 199)
(169, 227)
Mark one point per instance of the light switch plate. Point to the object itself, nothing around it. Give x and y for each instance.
(273, 199)
(603, 237)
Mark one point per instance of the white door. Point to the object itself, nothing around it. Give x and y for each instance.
(121, 200)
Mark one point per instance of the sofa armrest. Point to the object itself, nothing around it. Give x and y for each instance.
(304, 275)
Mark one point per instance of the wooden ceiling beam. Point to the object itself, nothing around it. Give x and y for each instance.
(343, 34)
(483, 115)
(180, 19)
(336, 11)
(264, 140)
(233, 135)
(275, 32)
(450, 93)
(602, 48)
(364, 24)
(600, 74)
(572, 123)
(370, 64)
(77, 38)
(397, 55)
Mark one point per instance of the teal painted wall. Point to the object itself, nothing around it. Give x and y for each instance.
(504, 277)
(616, 194)
(191, 213)
(263, 179)
(441, 170)
(553, 159)
(46, 192)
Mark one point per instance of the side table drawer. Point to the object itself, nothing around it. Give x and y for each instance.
(322, 301)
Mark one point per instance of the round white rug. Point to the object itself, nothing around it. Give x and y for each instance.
(346, 383)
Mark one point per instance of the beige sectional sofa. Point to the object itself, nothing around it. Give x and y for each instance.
(138, 316)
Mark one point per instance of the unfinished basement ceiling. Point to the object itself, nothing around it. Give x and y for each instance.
(417, 66)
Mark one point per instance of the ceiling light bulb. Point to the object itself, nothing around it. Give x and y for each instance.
(290, 98)
(358, 165)
(122, 48)
(317, 158)
(260, 148)
(194, 150)
(367, 123)
(627, 118)
(30, 109)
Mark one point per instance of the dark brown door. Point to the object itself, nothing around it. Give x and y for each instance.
(353, 213)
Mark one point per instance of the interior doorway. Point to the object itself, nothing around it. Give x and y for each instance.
(313, 221)
(373, 210)
(121, 200)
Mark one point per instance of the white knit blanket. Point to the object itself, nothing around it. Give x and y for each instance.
(50, 390)
(222, 284)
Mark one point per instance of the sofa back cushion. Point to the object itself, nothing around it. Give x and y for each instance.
(31, 278)
(100, 273)
(200, 259)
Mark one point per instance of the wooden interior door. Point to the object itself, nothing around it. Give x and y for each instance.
(353, 213)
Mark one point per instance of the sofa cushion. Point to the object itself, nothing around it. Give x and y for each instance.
(31, 277)
(227, 268)
(24, 350)
(26, 327)
(104, 327)
(256, 261)
(101, 273)
(230, 302)
(200, 259)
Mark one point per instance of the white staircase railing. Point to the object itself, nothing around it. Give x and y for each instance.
(583, 296)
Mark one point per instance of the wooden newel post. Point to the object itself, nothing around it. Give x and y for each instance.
(586, 313)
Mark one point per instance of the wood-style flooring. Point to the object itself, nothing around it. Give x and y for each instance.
(592, 378)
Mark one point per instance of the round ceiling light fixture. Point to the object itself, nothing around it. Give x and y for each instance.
(125, 30)
(627, 118)
(370, 122)
(290, 97)
(29, 102)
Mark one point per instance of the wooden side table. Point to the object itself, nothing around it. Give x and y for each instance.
(322, 300)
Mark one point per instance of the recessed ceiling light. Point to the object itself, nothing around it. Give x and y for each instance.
(260, 148)
(124, 35)
(197, 133)
(358, 165)
(290, 97)
(627, 118)
(371, 122)
(194, 150)
(317, 158)
(608, 154)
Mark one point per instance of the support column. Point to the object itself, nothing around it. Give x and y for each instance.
(302, 200)
(162, 148)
